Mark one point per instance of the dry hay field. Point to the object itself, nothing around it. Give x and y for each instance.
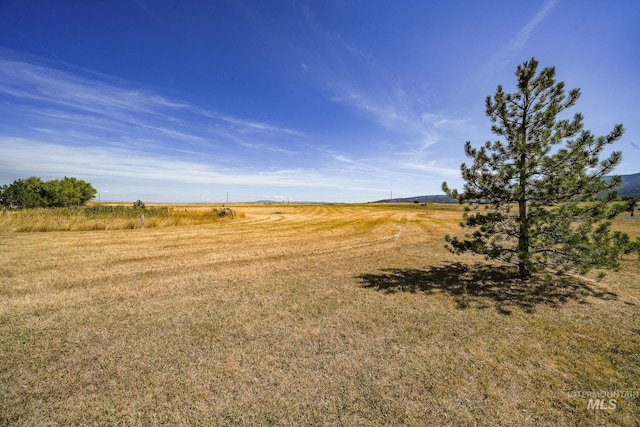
(306, 315)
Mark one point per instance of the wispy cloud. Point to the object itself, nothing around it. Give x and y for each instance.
(123, 163)
(147, 10)
(434, 168)
(35, 82)
(56, 123)
(259, 126)
(353, 78)
(52, 99)
(517, 43)
(71, 125)
(343, 162)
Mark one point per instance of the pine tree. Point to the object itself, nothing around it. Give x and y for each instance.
(531, 200)
(631, 203)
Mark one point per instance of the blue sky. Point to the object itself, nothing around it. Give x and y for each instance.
(332, 100)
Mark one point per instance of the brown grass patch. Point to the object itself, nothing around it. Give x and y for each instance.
(271, 319)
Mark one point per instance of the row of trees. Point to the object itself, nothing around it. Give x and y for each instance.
(33, 192)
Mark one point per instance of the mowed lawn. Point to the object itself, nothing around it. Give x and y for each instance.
(307, 315)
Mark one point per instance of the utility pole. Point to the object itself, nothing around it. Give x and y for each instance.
(227, 197)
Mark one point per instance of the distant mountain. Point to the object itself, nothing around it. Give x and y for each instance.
(293, 202)
(439, 198)
(630, 188)
(630, 185)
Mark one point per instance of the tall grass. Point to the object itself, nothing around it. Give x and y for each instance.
(103, 217)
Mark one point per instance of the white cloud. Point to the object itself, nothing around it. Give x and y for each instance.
(434, 168)
(259, 126)
(352, 78)
(34, 82)
(23, 156)
(517, 43)
(56, 123)
(53, 101)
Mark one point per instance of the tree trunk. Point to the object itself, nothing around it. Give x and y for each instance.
(523, 241)
(523, 238)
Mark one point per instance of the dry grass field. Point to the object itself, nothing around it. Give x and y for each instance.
(306, 315)
(106, 216)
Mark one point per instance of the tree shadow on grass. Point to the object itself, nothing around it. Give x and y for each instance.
(480, 285)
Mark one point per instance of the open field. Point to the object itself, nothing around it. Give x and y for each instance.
(306, 315)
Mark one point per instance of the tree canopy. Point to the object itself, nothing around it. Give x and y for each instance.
(531, 198)
(33, 192)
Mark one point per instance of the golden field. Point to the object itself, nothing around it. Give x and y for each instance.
(306, 315)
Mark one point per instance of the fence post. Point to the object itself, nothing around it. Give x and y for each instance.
(142, 220)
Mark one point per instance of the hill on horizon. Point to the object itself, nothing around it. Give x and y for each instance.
(436, 198)
(630, 188)
(630, 185)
